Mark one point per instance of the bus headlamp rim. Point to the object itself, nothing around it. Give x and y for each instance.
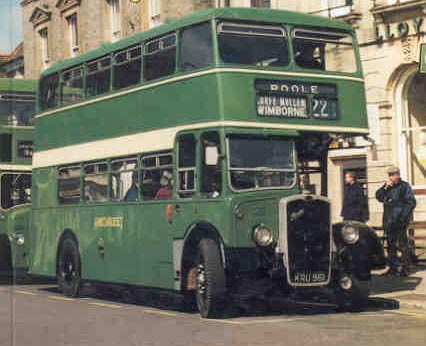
(264, 239)
(350, 234)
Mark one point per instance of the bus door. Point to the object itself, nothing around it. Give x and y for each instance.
(184, 209)
(199, 179)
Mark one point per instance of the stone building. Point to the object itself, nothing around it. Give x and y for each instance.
(58, 29)
(12, 65)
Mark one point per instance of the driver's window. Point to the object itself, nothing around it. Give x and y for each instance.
(15, 190)
(186, 165)
(211, 174)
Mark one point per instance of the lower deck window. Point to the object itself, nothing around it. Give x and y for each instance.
(124, 180)
(69, 185)
(96, 182)
(157, 177)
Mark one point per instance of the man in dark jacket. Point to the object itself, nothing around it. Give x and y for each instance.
(355, 205)
(399, 202)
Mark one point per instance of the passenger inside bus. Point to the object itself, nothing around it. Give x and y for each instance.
(166, 182)
(133, 192)
(309, 55)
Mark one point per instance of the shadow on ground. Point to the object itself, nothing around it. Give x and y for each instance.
(382, 284)
(264, 306)
(171, 301)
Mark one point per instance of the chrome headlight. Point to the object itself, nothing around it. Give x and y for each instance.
(262, 235)
(350, 234)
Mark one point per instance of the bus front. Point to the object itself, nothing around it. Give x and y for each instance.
(17, 108)
(288, 91)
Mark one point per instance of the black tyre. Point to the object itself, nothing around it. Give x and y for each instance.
(5, 258)
(211, 280)
(355, 299)
(69, 268)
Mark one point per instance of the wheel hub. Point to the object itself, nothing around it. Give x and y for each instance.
(201, 279)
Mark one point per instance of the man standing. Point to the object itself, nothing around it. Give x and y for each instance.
(399, 202)
(355, 206)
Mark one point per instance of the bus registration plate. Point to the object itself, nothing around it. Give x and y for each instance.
(282, 106)
(305, 277)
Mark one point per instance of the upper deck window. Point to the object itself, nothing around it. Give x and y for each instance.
(160, 57)
(324, 50)
(196, 48)
(256, 45)
(127, 67)
(49, 91)
(72, 90)
(17, 109)
(98, 78)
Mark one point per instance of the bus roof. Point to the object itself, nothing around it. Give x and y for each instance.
(248, 14)
(18, 85)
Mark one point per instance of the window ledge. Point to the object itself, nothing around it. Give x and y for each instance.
(350, 18)
(383, 10)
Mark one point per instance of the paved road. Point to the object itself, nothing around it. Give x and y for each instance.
(38, 316)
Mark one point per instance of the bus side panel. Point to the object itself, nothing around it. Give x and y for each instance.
(19, 223)
(173, 104)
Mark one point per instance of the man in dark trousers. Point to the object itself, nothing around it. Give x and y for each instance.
(355, 206)
(399, 202)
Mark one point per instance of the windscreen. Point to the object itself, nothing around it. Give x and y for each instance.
(255, 45)
(261, 163)
(324, 50)
(15, 190)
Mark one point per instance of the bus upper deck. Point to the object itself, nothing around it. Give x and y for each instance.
(17, 109)
(220, 67)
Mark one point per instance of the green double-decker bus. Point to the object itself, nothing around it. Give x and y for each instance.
(171, 160)
(17, 109)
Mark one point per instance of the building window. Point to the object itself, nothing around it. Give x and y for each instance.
(261, 3)
(73, 34)
(115, 19)
(223, 3)
(44, 46)
(154, 13)
(336, 8)
(414, 130)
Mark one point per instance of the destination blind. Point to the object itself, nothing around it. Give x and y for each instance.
(296, 100)
(282, 106)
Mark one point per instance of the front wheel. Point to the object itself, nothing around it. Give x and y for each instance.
(69, 268)
(210, 280)
(356, 298)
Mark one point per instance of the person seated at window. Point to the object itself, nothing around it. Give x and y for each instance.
(132, 193)
(166, 182)
(309, 56)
